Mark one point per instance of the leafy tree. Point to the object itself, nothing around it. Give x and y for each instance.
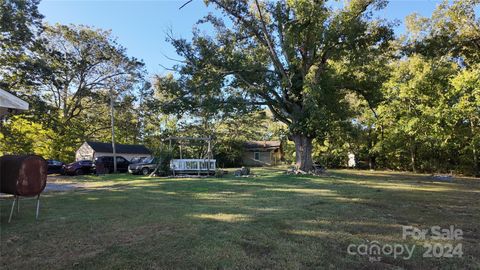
(452, 30)
(20, 24)
(466, 112)
(86, 67)
(415, 96)
(20, 136)
(451, 34)
(298, 58)
(83, 68)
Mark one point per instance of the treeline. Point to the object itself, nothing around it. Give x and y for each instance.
(429, 116)
(70, 73)
(341, 82)
(424, 115)
(428, 121)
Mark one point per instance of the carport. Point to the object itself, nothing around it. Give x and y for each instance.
(11, 104)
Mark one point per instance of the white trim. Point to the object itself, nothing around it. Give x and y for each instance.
(192, 164)
(10, 103)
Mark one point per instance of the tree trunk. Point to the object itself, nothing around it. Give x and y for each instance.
(303, 152)
(372, 159)
(413, 158)
(476, 171)
(372, 162)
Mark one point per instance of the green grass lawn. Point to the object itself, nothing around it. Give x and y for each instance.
(273, 221)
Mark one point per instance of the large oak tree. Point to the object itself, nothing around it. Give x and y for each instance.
(298, 58)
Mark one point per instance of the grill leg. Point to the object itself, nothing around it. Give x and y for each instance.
(38, 206)
(18, 204)
(13, 207)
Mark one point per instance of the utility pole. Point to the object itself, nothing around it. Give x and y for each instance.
(208, 155)
(113, 132)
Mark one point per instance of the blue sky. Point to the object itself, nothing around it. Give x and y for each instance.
(140, 26)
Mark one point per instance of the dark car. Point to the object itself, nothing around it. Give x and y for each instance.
(145, 167)
(137, 160)
(79, 167)
(54, 166)
(106, 163)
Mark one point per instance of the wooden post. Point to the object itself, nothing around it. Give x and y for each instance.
(209, 150)
(181, 150)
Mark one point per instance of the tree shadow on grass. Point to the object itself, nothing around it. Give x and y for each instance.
(271, 221)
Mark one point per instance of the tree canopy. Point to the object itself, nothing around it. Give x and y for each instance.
(331, 77)
(20, 24)
(298, 58)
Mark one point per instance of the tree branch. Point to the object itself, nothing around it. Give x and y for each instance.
(186, 3)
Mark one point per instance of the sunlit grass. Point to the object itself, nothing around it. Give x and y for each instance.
(224, 217)
(272, 220)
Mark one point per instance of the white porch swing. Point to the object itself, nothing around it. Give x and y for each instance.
(200, 166)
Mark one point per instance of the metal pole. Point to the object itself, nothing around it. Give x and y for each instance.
(18, 204)
(13, 207)
(38, 206)
(113, 132)
(172, 165)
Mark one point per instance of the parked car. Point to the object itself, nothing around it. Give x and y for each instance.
(145, 167)
(137, 160)
(54, 166)
(79, 167)
(106, 162)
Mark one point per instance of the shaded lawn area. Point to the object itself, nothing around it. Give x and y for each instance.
(271, 221)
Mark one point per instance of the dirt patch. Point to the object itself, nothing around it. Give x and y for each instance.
(62, 187)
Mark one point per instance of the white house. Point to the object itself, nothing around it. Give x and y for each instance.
(90, 150)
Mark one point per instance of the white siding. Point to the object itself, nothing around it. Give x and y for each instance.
(126, 156)
(265, 158)
(84, 152)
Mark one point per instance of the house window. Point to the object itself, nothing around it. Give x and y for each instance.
(256, 155)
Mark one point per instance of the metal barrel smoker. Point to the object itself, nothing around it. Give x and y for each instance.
(24, 176)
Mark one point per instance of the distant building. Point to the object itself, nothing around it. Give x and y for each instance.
(262, 153)
(91, 150)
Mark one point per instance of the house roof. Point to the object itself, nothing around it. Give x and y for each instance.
(120, 148)
(264, 145)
